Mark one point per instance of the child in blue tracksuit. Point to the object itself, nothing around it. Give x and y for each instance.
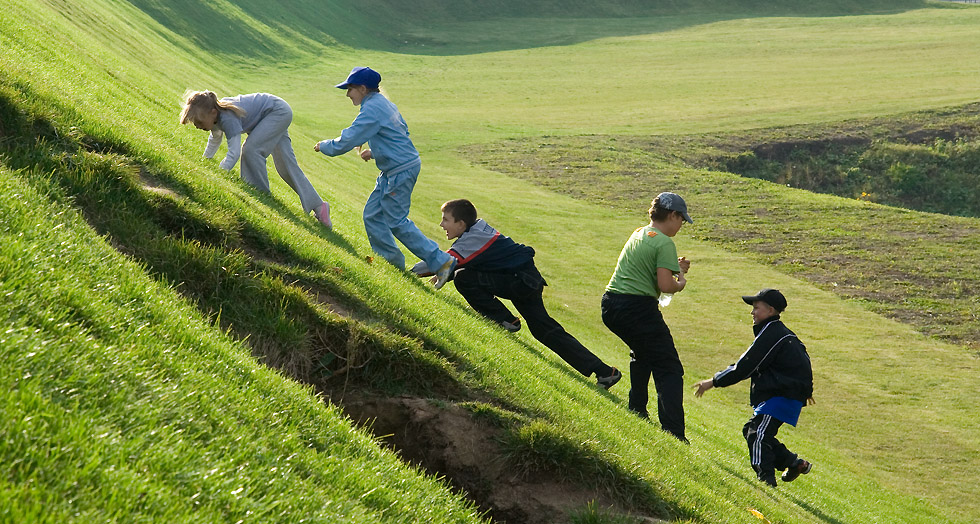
(782, 383)
(265, 119)
(386, 213)
(491, 265)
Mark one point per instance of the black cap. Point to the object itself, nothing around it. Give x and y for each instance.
(770, 296)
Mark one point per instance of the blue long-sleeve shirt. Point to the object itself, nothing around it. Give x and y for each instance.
(380, 125)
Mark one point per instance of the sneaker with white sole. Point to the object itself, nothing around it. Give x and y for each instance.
(323, 215)
(800, 467)
(442, 276)
(513, 326)
(611, 380)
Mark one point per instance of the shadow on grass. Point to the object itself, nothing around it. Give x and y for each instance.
(209, 253)
(814, 511)
(567, 370)
(745, 475)
(462, 27)
(286, 212)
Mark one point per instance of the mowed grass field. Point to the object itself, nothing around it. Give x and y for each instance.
(894, 431)
(718, 76)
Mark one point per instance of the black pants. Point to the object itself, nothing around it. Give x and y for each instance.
(637, 320)
(523, 288)
(766, 454)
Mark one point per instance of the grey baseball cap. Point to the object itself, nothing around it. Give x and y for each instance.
(674, 202)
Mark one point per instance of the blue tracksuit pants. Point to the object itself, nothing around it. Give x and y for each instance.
(386, 218)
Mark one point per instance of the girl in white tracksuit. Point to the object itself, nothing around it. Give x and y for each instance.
(265, 119)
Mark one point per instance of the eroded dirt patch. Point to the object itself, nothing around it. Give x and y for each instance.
(448, 440)
(151, 184)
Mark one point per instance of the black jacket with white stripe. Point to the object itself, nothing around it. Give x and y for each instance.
(776, 361)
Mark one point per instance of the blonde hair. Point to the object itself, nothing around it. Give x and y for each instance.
(199, 103)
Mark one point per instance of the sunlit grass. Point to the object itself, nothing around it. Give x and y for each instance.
(691, 78)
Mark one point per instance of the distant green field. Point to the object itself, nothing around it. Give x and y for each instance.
(896, 159)
(90, 93)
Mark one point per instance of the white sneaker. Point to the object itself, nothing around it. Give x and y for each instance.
(323, 215)
(442, 276)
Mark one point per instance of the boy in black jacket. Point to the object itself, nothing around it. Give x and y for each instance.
(782, 383)
(491, 265)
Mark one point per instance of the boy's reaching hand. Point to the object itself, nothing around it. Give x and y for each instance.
(703, 386)
(364, 152)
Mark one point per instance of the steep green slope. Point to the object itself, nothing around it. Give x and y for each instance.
(241, 257)
(242, 28)
(121, 401)
(121, 404)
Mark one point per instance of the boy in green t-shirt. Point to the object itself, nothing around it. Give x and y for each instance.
(648, 270)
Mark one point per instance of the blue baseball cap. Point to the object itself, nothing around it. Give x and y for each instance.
(673, 202)
(361, 76)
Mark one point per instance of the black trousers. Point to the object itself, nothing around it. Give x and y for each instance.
(637, 320)
(523, 288)
(766, 454)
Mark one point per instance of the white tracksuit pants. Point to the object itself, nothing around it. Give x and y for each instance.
(271, 136)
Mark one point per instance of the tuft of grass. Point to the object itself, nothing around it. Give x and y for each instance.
(539, 446)
(591, 514)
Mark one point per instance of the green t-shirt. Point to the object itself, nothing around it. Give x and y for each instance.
(636, 271)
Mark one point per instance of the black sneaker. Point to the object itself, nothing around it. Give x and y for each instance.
(642, 414)
(611, 380)
(513, 326)
(800, 467)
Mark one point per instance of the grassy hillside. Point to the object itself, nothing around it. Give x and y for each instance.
(121, 404)
(242, 29)
(89, 104)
